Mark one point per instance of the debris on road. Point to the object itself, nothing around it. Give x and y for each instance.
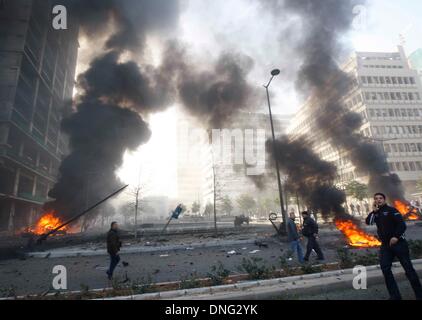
(254, 251)
(261, 244)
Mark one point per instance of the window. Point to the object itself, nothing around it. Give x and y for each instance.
(412, 166)
(382, 80)
(406, 81)
(394, 148)
(400, 80)
(419, 165)
(406, 166)
(412, 80)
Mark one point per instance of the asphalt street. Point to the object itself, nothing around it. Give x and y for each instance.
(34, 275)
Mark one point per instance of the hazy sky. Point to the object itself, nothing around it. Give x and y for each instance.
(209, 27)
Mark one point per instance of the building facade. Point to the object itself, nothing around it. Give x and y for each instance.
(218, 160)
(387, 94)
(37, 72)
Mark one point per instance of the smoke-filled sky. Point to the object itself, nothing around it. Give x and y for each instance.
(209, 28)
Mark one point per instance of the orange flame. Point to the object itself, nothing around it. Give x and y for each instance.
(48, 222)
(407, 210)
(356, 236)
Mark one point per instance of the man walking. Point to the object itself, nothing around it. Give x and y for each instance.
(113, 247)
(294, 238)
(391, 228)
(310, 231)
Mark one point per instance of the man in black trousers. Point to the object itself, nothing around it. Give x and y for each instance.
(391, 228)
(310, 231)
(113, 247)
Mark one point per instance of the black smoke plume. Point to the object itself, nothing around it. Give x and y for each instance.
(309, 176)
(214, 96)
(324, 22)
(113, 97)
(132, 20)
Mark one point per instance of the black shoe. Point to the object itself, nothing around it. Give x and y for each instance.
(109, 276)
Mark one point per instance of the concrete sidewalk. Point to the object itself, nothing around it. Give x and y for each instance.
(278, 288)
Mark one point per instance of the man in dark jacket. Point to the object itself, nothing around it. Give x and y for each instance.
(310, 231)
(294, 238)
(391, 228)
(113, 247)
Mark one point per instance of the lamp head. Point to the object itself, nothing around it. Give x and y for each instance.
(275, 72)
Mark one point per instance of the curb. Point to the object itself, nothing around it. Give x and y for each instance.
(266, 289)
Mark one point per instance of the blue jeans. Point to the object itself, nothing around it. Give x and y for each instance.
(114, 261)
(296, 247)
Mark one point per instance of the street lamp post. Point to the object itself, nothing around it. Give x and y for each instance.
(275, 73)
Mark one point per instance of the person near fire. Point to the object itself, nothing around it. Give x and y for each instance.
(310, 231)
(113, 247)
(391, 229)
(294, 238)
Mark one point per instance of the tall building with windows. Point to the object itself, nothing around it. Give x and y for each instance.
(387, 93)
(199, 162)
(37, 72)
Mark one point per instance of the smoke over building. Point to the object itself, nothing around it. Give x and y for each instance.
(323, 23)
(116, 94)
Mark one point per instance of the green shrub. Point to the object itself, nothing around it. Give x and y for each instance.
(256, 268)
(218, 274)
(141, 286)
(415, 247)
(189, 282)
(351, 259)
(310, 269)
